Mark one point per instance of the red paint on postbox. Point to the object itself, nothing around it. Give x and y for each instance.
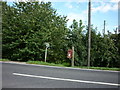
(69, 54)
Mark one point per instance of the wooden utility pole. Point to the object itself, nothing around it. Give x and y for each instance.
(72, 62)
(115, 30)
(108, 33)
(89, 31)
(119, 28)
(104, 28)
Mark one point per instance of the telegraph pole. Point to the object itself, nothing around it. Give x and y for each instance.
(115, 30)
(119, 29)
(104, 28)
(89, 31)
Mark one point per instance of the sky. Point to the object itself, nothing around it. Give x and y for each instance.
(78, 9)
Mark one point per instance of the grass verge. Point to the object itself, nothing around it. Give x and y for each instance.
(44, 63)
(100, 68)
(4, 60)
(66, 65)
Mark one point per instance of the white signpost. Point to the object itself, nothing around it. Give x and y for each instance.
(47, 45)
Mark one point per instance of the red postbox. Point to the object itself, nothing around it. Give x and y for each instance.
(69, 54)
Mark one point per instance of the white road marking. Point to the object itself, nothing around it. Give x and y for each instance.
(63, 79)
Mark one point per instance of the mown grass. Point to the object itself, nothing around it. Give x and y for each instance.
(106, 68)
(4, 60)
(100, 68)
(44, 63)
(66, 65)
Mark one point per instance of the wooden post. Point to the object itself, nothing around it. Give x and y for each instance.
(89, 31)
(72, 62)
(104, 28)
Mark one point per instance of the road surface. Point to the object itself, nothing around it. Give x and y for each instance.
(16, 75)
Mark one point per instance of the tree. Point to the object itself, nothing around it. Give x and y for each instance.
(103, 51)
(77, 40)
(27, 26)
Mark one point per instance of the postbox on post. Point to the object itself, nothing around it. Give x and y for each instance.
(69, 54)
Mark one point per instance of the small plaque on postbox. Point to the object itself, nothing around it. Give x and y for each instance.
(69, 54)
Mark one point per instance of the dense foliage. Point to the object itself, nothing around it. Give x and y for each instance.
(26, 27)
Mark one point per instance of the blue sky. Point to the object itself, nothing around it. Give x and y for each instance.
(100, 11)
(77, 9)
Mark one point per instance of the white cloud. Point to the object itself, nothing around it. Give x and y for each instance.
(115, 7)
(69, 5)
(45, 0)
(115, 1)
(20, 0)
(81, 16)
(116, 26)
(105, 7)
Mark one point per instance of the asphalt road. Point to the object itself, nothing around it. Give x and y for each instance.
(34, 76)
